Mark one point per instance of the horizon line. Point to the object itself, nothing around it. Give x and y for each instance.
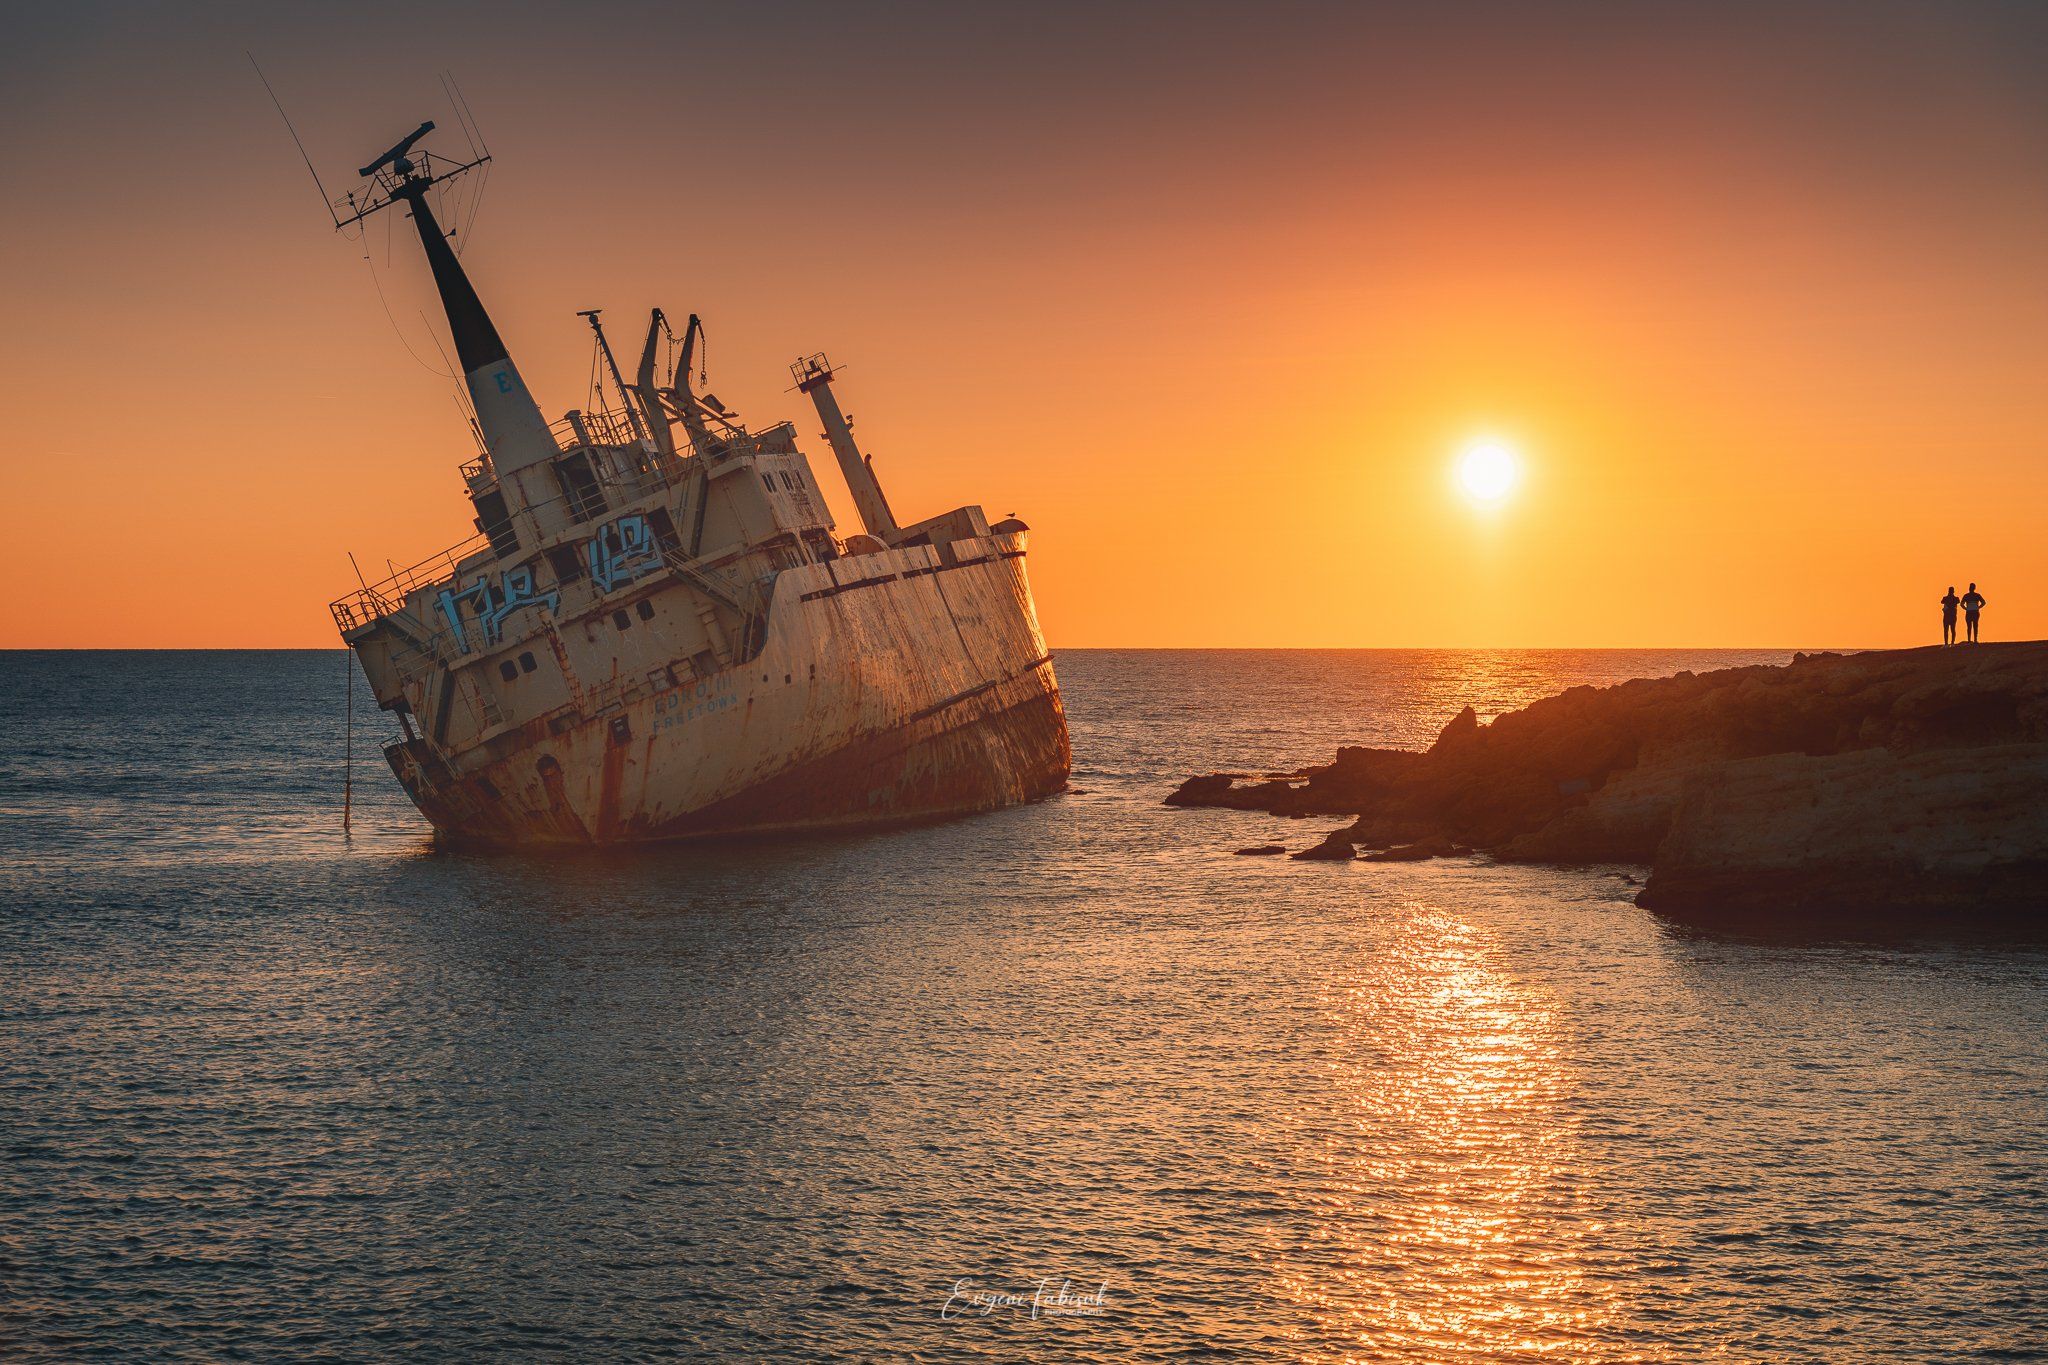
(1071, 649)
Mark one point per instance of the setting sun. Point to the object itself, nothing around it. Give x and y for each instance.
(1488, 470)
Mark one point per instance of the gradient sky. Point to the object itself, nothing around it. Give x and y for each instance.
(1209, 294)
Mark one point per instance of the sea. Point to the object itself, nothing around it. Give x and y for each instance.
(1066, 1082)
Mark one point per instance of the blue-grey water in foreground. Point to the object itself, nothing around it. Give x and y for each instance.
(266, 1092)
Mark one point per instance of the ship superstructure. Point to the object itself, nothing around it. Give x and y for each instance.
(657, 633)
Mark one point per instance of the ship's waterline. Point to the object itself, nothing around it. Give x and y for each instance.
(658, 633)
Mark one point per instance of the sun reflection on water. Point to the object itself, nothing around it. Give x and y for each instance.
(1449, 1222)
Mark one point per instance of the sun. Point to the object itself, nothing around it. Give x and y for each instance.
(1488, 470)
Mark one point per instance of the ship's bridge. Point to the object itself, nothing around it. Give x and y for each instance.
(606, 472)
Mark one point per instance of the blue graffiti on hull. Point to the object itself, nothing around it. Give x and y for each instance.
(491, 605)
(622, 551)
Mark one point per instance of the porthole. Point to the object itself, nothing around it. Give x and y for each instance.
(509, 671)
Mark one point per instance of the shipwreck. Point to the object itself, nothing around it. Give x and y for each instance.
(657, 632)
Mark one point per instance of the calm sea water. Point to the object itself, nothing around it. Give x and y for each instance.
(269, 1092)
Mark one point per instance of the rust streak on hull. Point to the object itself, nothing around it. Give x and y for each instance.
(981, 752)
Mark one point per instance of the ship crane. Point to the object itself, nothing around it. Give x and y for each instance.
(611, 363)
(813, 375)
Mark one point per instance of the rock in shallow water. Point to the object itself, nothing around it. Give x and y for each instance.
(1938, 800)
(1415, 853)
(1334, 849)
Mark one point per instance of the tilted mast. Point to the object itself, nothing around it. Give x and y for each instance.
(513, 427)
(514, 431)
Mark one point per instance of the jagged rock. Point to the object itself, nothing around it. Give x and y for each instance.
(1202, 791)
(1415, 853)
(1334, 848)
(1462, 730)
(1221, 789)
(1622, 823)
(1262, 851)
(1624, 774)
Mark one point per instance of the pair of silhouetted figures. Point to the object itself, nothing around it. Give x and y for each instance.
(1971, 602)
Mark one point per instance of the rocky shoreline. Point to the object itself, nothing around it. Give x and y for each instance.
(1898, 781)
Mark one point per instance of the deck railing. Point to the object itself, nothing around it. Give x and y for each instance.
(626, 469)
(374, 601)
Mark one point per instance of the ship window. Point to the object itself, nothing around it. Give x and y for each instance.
(568, 564)
(646, 609)
(770, 483)
(664, 529)
(495, 521)
(509, 671)
(621, 620)
(579, 486)
(526, 663)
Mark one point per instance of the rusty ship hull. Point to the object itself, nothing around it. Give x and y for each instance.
(892, 688)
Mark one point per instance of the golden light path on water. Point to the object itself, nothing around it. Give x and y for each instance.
(291, 1095)
(1449, 1223)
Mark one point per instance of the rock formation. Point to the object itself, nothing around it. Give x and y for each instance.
(1906, 779)
(1335, 848)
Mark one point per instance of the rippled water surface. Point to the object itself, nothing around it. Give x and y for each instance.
(267, 1092)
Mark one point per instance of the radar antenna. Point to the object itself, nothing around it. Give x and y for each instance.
(400, 175)
(396, 158)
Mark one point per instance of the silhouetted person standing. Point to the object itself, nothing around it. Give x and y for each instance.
(1948, 616)
(1973, 602)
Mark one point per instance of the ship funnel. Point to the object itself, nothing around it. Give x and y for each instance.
(513, 427)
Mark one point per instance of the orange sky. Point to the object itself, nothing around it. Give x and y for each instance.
(1208, 295)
